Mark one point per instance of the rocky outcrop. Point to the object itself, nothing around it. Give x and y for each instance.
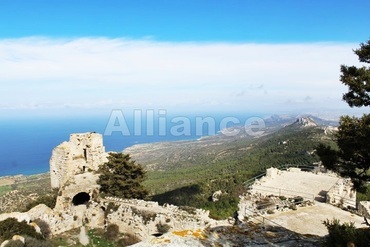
(364, 209)
(305, 122)
(245, 234)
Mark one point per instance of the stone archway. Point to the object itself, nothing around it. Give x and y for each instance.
(81, 199)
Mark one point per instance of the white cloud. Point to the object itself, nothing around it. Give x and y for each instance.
(114, 73)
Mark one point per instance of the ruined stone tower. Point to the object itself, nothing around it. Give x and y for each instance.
(83, 152)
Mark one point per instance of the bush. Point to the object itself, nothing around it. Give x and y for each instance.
(111, 233)
(343, 234)
(15, 243)
(32, 242)
(44, 227)
(128, 240)
(162, 228)
(97, 239)
(147, 216)
(49, 200)
(112, 207)
(190, 210)
(11, 227)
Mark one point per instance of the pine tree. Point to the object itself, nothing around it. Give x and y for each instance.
(352, 158)
(357, 79)
(122, 177)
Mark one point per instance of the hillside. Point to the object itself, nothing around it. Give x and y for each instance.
(284, 142)
(16, 192)
(189, 172)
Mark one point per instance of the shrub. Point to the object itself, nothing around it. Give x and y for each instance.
(147, 216)
(44, 227)
(49, 200)
(32, 242)
(11, 227)
(190, 210)
(343, 234)
(162, 228)
(283, 198)
(112, 231)
(15, 243)
(112, 207)
(97, 240)
(128, 240)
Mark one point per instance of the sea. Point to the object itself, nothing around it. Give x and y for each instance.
(26, 143)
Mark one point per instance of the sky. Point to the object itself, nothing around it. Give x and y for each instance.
(90, 56)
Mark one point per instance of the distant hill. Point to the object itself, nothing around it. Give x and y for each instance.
(283, 142)
(187, 173)
(305, 122)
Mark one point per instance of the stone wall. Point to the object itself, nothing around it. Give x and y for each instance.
(342, 194)
(82, 153)
(140, 217)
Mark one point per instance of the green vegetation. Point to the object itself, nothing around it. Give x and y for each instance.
(11, 227)
(110, 237)
(122, 177)
(352, 159)
(346, 234)
(199, 196)
(243, 159)
(24, 190)
(49, 200)
(39, 184)
(5, 189)
(98, 240)
(364, 195)
(147, 216)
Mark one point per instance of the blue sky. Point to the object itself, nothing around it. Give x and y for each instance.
(282, 56)
(190, 20)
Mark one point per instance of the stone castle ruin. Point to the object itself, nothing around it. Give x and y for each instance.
(73, 167)
(83, 153)
(73, 172)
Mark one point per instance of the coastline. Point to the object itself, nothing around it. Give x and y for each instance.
(19, 178)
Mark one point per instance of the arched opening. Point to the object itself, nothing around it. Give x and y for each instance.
(81, 198)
